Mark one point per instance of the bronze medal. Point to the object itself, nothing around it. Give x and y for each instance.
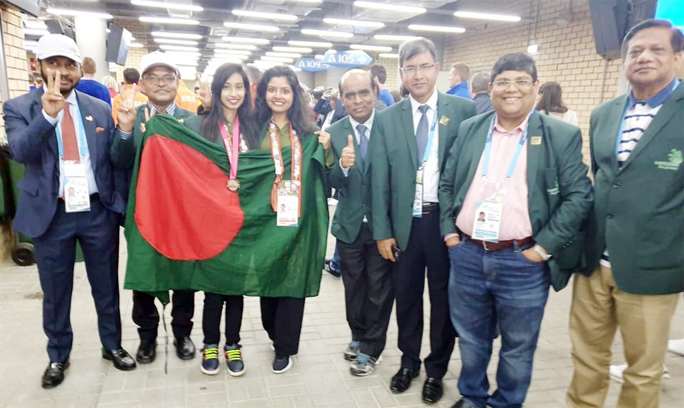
(233, 185)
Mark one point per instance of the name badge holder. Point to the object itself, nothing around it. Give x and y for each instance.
(487, 216)
(288, 203)
(76, 193)
(418, 198)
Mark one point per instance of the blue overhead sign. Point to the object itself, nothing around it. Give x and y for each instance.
(311, 65)
(351, 58)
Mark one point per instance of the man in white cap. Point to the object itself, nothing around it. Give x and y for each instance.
(63, 137)
(160, 77)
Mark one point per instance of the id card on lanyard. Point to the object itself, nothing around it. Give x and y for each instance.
(418, 198)
(76, 192)
(487, 216)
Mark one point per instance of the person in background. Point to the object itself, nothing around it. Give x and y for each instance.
(254, 76)
(36, 82)
(479, 89)
(185, 98)
(377, 103)
(337, 110)
(131, 79)
(89, 85)
(458, 80)
(551, 103)
(396, 95)
(379, 74)
(111, 85)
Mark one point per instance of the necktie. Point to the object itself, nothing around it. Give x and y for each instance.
(69, 142)
(422, 133)
(363, 141)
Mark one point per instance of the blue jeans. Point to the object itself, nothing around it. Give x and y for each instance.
(487, 288)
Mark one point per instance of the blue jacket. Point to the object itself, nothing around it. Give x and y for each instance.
(95, 89)
(460, 89)
(32, 141)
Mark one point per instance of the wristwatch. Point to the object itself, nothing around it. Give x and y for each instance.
(541, 251)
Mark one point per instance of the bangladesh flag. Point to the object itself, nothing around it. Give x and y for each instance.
(186, 230)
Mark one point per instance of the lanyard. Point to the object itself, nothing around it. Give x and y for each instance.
(80, 135)
(431, 135)
(231, 151)
(295, 164)
(622, 122)
(488, 148)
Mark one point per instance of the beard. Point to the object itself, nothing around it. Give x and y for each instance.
(64, 90)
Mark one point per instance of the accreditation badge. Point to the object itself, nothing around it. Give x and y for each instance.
(76, 193)
(287, 213)
(418, 198)
(487, 221)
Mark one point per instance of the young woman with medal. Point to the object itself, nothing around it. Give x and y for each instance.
(229, 123)
(281, 108)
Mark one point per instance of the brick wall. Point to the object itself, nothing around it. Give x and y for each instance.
(17, 76)
(392, 67)
(566, 53)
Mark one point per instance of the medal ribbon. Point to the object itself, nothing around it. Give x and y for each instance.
(295, 166)
(232, 146)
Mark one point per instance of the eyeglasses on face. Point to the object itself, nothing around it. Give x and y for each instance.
(522, 83)
(167, 79)
(412, 69)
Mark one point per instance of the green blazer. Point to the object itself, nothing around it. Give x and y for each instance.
(638, 212)
(395, 163)
(123, 151)
(354, 191)
(559, 190)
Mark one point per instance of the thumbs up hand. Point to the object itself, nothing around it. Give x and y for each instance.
(348, 154)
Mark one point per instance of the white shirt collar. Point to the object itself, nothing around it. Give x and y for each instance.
(431, 103)
(368, 123)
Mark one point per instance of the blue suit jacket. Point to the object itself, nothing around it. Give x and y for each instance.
(32, 141)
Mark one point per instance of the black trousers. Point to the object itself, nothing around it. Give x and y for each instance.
(211, 317)
(282, 320)
(426, 248)
(368, 291)
(146, 316)
(97, 231)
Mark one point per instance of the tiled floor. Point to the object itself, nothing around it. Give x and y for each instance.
(320, 377)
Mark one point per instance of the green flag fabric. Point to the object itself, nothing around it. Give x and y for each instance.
(185, 230)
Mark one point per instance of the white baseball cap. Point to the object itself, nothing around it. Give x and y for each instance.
(157, 59)
(57, 45)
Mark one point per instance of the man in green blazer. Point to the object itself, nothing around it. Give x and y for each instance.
(409, 152)
(513, 194)
(367, 276)
(635, 245)
(160, 83)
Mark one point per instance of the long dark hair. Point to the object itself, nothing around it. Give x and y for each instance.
(298, 114)
(551, 98)
(248, 125)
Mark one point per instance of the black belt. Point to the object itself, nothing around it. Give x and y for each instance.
(498, 246)
(430, 208)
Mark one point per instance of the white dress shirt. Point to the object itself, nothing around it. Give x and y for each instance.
(431, 170)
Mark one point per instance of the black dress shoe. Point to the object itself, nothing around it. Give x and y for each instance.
(463, 404)
(185, 348)
(54, 374)
(121, 359)
(432, 390)
(147, 352)
(402, 380)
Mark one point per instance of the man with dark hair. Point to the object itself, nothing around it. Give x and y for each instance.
(131, 79)
(513, 194)
(409, 151)
(63, 138)
(89, 85)
(479, 89)
(254, 76)
(379, 74)
(458, 80)
(635, 262)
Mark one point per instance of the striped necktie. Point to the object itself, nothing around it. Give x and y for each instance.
(69, 142)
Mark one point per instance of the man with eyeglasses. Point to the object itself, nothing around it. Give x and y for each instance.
(160, 77)
(409, 150)
(524, 171)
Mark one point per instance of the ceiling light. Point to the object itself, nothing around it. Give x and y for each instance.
(177, 48)
(295, 69)
(267, 16)
(388, 55)
(236, 46)
(319, 56)
(176, 35)
(436, 29)
(176, 42)
(283, 54)
(258, 41)
(277, 59)
(370, 47)
(301, 50)
(356, 23)
(79, 13)
(389, 7)
(487, 16)
(37, 24)
(307, 1)
(229, 57)
(217, 63)
(135, 45)
(167, 20)
(326, 33)
(313, 44)
(169, 6)
(183, 54)
(252, 27)
(397, 38)
(35, 31)
(219, 51)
